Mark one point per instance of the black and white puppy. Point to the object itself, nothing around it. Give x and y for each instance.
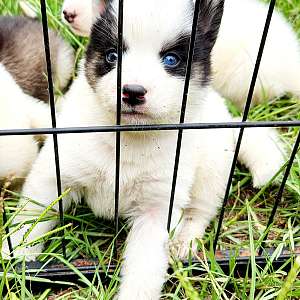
(156, 40)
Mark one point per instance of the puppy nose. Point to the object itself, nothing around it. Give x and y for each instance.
(134, 94)
(69, 16)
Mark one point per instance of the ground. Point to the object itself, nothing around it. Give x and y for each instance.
(245, 221)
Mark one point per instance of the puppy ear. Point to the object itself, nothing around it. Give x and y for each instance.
(103, 5)
(209, 20)
(1, 41)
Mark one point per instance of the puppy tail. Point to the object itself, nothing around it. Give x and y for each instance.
(262, 153)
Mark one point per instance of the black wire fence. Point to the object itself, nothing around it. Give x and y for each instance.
(89, 266)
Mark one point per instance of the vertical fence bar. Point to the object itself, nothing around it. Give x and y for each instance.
(245, 116)
(118, 120)
(53, 116)
(280, 191)
(183, 108)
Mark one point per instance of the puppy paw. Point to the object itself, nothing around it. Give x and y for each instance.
(264, 171)
(263, 153)
(183, 247)
(132, 294)
(30, 253)
(5, 253)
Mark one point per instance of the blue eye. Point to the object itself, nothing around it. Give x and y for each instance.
(170, 60)
(111, 56)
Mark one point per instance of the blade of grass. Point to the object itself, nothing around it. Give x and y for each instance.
(288, 284)
(43, 214)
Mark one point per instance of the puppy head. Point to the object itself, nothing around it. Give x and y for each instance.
(80, 14)
(156, 36)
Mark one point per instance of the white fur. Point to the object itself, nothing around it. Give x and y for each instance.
(235, 52)
(87, 161)
(18, 110)
(64, 67)
(261, 167)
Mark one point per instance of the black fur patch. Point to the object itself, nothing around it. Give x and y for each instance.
(180, 47)
(104, 37)
(209, 20)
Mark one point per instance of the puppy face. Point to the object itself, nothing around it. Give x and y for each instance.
(80, 14)
(155, 50)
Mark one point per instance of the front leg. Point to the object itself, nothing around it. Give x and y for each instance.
(206, 196)
(39, 186)
(29, 214)
(146, 256)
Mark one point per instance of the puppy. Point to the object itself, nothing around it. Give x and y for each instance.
(236, 49)
(154, 64)
(23, 75)
(23, 55)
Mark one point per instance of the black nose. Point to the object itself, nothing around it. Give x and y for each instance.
(69, 16)
(134, 94)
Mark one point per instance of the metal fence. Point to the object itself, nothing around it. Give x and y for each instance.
(60, 271)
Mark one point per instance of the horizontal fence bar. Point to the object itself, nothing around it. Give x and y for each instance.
(151, 127)
(88, 267)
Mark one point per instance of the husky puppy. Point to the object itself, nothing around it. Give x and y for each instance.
(154, 64)
(18, 110)
(236, 49)
(23, 55)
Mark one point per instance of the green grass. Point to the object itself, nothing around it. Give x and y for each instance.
(245, 220)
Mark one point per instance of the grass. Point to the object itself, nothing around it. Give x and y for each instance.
(245, 221)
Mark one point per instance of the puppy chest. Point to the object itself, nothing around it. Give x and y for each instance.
(145, 176)
(100, 195)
